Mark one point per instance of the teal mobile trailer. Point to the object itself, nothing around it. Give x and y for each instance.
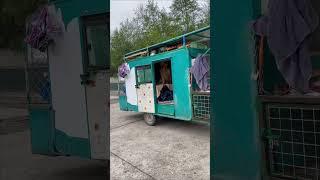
(141, 88)
(256, 135)
(68, 84)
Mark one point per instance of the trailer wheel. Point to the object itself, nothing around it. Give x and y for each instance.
(150, 119)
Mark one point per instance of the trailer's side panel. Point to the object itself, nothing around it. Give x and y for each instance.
(68, 95)
(130, 88)
(235, 134)
(42, 133)
(98, 116)
(180, 60)
(180, 77)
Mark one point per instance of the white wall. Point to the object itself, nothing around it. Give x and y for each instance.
(68, 95)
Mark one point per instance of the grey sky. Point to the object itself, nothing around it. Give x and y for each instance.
(121, 9)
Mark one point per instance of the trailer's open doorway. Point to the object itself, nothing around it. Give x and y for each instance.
(163, 78)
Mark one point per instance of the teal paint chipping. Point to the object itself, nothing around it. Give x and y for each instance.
(132, 107)
(74, 146)
(235, 141)
(45, 138)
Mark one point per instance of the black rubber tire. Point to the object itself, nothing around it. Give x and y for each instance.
(150, 119)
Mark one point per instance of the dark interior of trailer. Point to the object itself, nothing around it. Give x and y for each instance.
(163, 78)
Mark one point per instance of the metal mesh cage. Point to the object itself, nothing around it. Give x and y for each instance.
(201, 105)
(294, 149)
(122, 89)
(38, 81)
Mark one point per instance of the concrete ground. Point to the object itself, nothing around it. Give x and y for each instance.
(171, 150)
(18, 163)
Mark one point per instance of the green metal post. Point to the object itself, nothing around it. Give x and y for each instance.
(235, 142)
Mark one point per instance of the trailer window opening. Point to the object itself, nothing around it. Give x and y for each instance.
(163, 78)
(144, 74)
(96, 32)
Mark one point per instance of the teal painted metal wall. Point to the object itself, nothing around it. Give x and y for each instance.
(67, 145)
(78, 8)
(42, 130)
(123, 103)
(235, 141)
(45, 138)
(180, 62)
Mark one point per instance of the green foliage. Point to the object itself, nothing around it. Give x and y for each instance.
(13, 14)
(152, 25)
(186, 14)
(205, 14)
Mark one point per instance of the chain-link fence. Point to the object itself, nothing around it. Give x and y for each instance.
(37, 75)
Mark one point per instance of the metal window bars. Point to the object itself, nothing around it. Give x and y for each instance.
(295, 154)
(201, 105)
(37, 77)
(200, 101)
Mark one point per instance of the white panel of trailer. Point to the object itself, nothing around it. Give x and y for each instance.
(68, 95)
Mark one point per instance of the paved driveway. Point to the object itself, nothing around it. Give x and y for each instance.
(18, 163)
(171, 150)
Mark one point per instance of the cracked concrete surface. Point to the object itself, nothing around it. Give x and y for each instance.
(171, 150)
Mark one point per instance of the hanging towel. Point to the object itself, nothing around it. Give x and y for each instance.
(43, 27)
(123, 70)
(201, 72)
(287, 26)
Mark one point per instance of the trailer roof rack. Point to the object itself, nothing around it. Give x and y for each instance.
(202, 34)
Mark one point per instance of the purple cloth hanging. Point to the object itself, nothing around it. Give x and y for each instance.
(201, 72)
(42, 28)
(123, 70)
(287, 26)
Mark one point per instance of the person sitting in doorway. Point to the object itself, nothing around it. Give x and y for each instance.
(165, 73)
(164, 88)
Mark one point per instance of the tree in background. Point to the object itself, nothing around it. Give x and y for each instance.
(152, 25)
(186, 14)
(13, 15)
(122, 41)
(204, 13)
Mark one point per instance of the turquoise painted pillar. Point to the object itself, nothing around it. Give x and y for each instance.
(235, 142)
